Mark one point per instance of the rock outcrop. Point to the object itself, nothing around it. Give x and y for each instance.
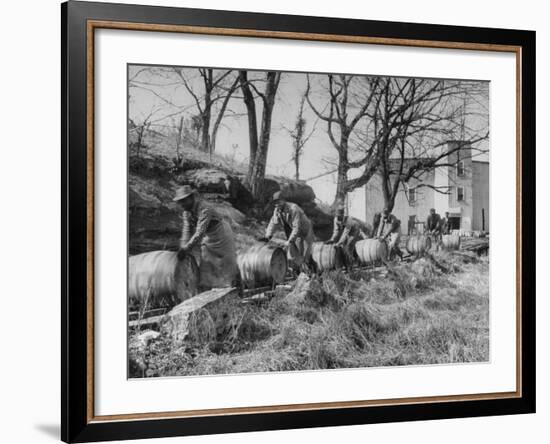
(155, 221)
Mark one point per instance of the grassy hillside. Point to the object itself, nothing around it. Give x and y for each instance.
(432, 310)
(415, 315)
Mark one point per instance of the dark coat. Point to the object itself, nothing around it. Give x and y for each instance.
(349, 230)
(381, 227)
(433, 223)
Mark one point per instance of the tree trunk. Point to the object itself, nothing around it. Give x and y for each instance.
(205, 137)
(389, 202)
(252, 122)
(342, 176)
(220, 116)
(389, 189)
(259, 149)
(387, 192)
(207, 112)
(258, 174)
(297, 166)
(179, 142)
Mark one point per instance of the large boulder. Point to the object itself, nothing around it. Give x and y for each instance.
(322, 222)
(206, 180)
(292, 190)
(297, 191)
(215, 181)
(154, 220)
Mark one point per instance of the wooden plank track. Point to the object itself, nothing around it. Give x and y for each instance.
(186, 307)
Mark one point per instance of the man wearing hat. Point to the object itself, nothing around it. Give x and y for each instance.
(346, 232)
(297, 227)
(433, 226)
(387, 227)
(208, 238)
(433, 222)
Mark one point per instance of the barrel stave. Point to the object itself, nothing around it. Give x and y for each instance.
(371, 251)
(262, 265)
(419, 244)
(327, 256)
(158, 278)
(450, 242)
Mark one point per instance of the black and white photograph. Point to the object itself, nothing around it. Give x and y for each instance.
(275, 222)
(286, 221)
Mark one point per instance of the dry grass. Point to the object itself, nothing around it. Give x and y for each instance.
(417, 314)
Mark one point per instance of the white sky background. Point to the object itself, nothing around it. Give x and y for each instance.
(319, 155)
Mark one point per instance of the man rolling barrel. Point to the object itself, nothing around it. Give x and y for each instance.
(433, 226)
(298, 230)
(208, 238)
(346, 232)
(387, 227)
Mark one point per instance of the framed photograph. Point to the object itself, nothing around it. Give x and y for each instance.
(275, 221)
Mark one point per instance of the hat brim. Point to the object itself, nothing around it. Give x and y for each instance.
(175, 199)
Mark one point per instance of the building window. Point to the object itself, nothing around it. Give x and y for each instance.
(460, 168)
(459, 194)
(412, 196)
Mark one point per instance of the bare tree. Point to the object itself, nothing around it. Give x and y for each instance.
(179, 140)
(395, 127)
(259, 143)
(299, 136)
(210, 90)
(344, 111)
(140, 129)
(214, 90)
(412, 121)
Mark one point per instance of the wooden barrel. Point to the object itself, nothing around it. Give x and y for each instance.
(327, 257)
(371, 251)
(159, 279)
(262, 265)
(418, 245)
(450, 241)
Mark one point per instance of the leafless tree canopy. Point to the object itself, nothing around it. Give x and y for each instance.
(378, 124)
(397, 128)
(300, 135)
(210, 90)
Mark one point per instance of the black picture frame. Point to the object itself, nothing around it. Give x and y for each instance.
(76, 423)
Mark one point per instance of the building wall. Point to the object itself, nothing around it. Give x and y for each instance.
(374, 201)
(463, 208)
(403, 209)
(364, 202)
(357, 204)
(480, 187)
(441, 182)
(474, 181)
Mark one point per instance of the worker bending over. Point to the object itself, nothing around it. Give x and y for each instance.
(298, 230)
(387, 227)
(346, 232)
(208, 238)
(433, 226)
